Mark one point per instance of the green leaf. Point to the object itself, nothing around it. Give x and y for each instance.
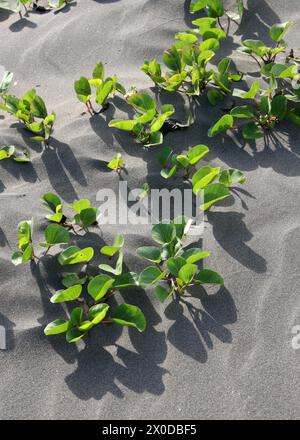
(123, 124)
(278, 30)
(252, 131)
(293, 115)
(197, 5)
(150, 253)
(38, 107)
(232, 177)
(243, 111)
(74, 335)
(222, 124)
(25, 230)
(195, 154)
(27, 253)
(155, 139)
(98, 72)
(76, 316)
(104, 91)
(75, 255)
(69, 294)
(193, 255)
(214, 96)
(6, 81)
(131, 316)
(174, 264)
(55, 234)
(150, 275)
(116, 163)
(56, 327)
(72, 279)
(97, 313)
(254, 89)
(99, 286)
(125, 280)
(203, 177)
(88, 216)
(161, 293)
(142, 102)
(182, 225)
(118, 243)
(83, 90)
(17, 258)
(163, 233)
(6, 152)
(187, 272)
(207, 276)
(279, 107)
(215, 8)
(80, 205)
(115, 271)
(210, 44)
(172, 59)
(213, 193)
(51, 201)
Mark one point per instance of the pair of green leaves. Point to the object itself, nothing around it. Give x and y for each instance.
(85, 215)
(29, 108)
(104, 87)
(265, 53)
(216, 9)
(77, 326)
(25, 234)
(17, 155)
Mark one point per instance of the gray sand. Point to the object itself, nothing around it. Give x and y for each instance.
(228, 353)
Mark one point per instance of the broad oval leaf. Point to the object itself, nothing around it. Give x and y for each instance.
(69, 294)
(56, 327)
(163, 233)
(99, 286)
(75, 255)
(150, 253)
(129, 315)
(222, 124)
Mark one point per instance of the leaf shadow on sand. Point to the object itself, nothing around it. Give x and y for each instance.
(192, 334)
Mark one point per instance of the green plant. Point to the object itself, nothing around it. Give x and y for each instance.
(13, 153)
(267, 107)
(91, 292)
(85, 214)
(213, 182)
(104, 87)
(32, 112)
(216, 9)
(116, 164)
(149, 123)
(6, 4)
(258, 50)
(173, 270)
(187, 63)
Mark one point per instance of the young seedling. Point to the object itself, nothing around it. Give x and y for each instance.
(216, 9)
(173, 270)
(85, 215)
(54, 235)
(103, 88)
(32, 112)
(22, 156)
(187, 63)
(93, 304)
(263, 54)
(214, 183)
(116, 164)
(149, 123)
(266, 109)
(60, 4)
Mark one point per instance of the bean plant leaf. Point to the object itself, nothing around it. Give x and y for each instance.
(222, 124)
(278, 30)
(69, 294)
(75, 255)
(129, 315)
